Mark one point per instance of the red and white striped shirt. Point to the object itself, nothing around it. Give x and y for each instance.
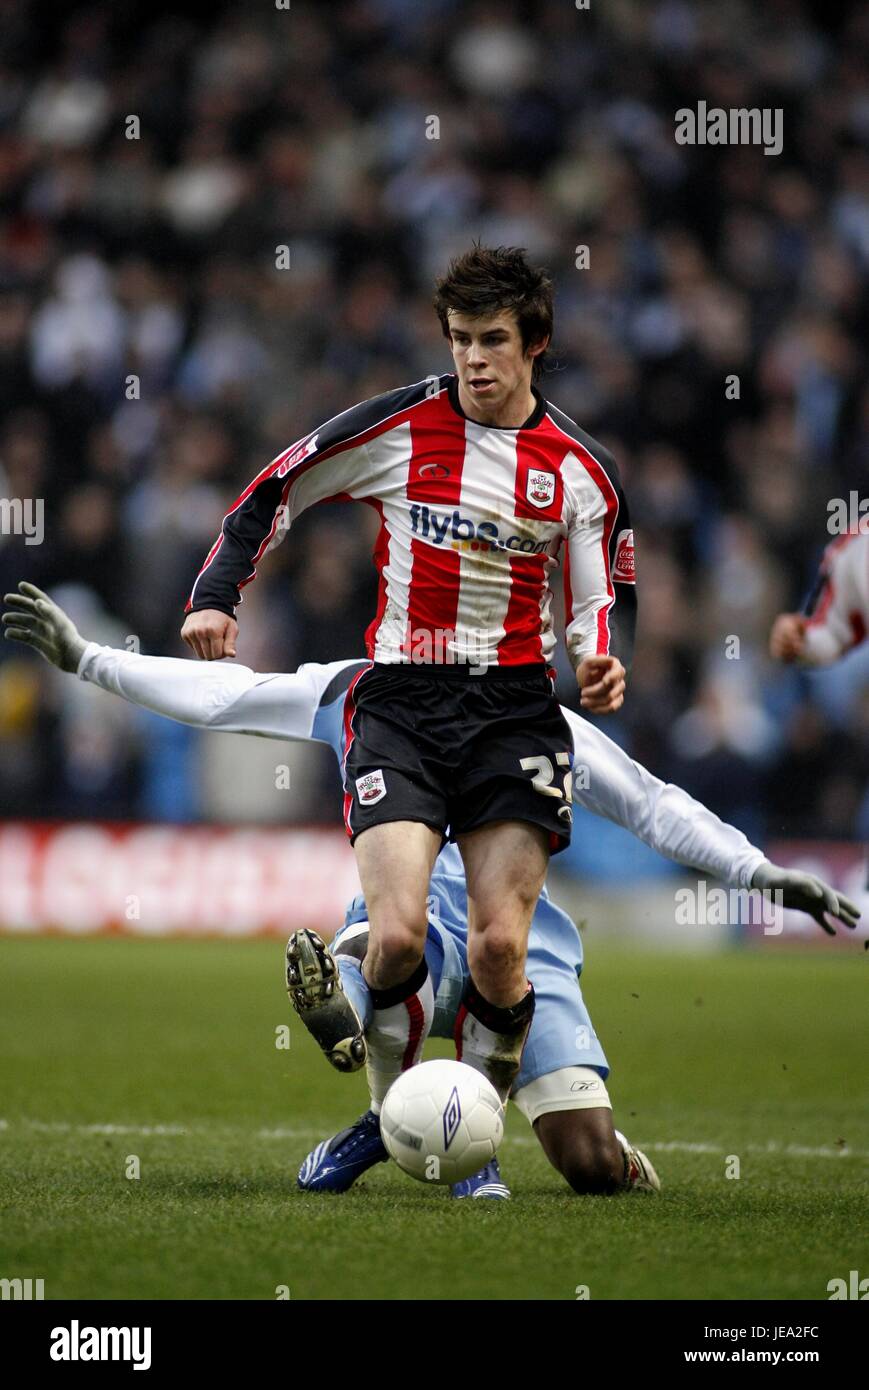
(472, 521)
(839, 607)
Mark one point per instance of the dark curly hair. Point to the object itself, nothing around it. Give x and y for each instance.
(487, 280)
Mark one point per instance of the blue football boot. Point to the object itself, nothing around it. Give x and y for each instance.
(486, 1183)
(335, 1164)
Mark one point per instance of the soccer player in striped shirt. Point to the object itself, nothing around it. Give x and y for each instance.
(453, 729)
(836, 619)
(560, 1086)
(836, 616)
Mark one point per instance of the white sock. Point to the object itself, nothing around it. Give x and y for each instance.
(490, 1039)
(400, 1020)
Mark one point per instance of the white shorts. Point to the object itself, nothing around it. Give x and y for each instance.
(569, 1088)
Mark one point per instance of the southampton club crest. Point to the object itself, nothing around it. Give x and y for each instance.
(540, 487)
(371, 788)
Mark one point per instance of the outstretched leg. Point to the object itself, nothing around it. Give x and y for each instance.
(591, 1155)
(570, 1111)
(329, 1011)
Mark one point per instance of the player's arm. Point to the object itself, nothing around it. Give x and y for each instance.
(258, 520)
(665, 817)
(600, 598)
(339, 460)
(832, 623)
(224, 697)
(333, 462)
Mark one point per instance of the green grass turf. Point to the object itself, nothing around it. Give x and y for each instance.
(735, 1052)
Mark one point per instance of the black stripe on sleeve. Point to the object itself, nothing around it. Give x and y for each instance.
(250, 522)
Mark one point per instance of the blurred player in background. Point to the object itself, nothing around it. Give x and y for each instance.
(561, 1085)
(836, 616)
(452, 726)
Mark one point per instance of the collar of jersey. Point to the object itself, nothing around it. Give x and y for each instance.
(533, 419)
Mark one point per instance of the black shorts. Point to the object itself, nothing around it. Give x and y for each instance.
(456, 751)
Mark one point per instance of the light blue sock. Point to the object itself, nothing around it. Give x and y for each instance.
(355, 987)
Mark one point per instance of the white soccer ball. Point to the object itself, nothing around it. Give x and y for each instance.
(442, 1121)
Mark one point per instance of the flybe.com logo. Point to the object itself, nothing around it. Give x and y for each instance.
(460, 532)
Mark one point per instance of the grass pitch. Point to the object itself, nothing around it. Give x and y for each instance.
(164, 1052)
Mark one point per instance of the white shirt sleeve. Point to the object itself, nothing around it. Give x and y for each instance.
(599, 551)
(222, 695)
(612, 785)
(587, 595)
(212, 695)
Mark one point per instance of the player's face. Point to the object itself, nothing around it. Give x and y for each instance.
(493, 368)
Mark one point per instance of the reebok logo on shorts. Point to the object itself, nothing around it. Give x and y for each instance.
(371, 787)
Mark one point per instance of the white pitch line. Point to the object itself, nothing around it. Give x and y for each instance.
(287, 1133)
(59, 1127)
(772, 1149)
(159, 1131)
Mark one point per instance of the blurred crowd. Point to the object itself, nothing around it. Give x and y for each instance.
(220, 227)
